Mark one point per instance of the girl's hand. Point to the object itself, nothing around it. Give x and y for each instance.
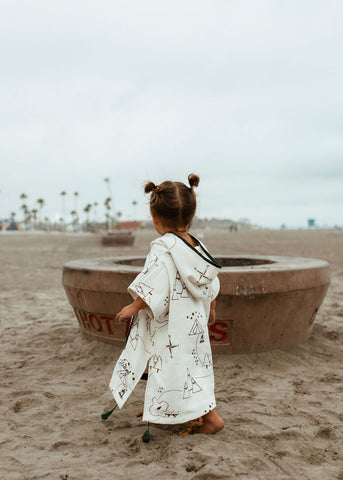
(132, 309)
(125, 314)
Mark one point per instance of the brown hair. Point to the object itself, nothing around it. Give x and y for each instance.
(173, 202)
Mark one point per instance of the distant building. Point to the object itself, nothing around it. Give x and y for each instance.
(129, 225)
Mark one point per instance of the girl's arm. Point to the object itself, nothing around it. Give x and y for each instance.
(132, 309)
(212, 316)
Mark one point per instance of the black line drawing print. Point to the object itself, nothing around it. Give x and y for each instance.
(134, 342)
(190, 387)
(124, 371)
(122, 392)
(153, 260)
(171, 346)
(179, 288)
(155, 364)
(161, 409)
(207, 362)
(162, 320)
(134, 335)
(202, 274)
(205, 291)
(199, 332)
(196, 329)
(149, 329)
(144, 291)
(195, 356)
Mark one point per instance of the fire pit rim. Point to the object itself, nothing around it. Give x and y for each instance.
(272, 263)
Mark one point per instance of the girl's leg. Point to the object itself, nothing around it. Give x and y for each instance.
(212, 423)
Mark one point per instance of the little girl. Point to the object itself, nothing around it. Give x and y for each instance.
(174, 299)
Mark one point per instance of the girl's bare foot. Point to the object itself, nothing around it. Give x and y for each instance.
(212, 423)
(139, 414)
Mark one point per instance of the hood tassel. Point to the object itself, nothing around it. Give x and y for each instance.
(146, 435)
(105, 415)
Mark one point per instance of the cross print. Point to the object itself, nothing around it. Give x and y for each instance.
(171, 346)
(202, 274)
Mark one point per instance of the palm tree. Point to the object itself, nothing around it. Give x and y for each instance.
(108, 202)
(75, 217)
(95, 204)
(41, 203)
(63, 195)
(76, 220)
(134, 204)
(34, 212)
(23, 197)
(87, 209)
(76, 194)
(25, 210)
(108, 215)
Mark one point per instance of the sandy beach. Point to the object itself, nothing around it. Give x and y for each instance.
(283, 409)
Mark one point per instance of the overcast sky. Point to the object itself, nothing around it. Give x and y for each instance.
(246, 93)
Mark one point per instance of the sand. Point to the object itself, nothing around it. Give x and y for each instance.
(283, 409)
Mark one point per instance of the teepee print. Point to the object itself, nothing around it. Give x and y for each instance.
(207, 362)
(179, 288)
(190, 386)
(186, 392)
(196, 329)
(195, 386)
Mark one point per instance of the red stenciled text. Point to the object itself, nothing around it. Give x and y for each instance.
(220, 332)
(104, 325)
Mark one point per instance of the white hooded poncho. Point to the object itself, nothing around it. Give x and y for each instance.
(178, 283)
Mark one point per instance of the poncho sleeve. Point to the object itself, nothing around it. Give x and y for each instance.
(152, 285)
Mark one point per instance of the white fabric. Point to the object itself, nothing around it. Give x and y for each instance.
(171, 334)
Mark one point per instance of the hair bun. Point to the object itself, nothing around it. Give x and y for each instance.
(151, 187)
(193, 180)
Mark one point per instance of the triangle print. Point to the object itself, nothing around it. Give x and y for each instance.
(196, 329)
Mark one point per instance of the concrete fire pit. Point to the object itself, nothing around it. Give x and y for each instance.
(265, 302)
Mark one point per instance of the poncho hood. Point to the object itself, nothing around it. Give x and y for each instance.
(197, 268)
